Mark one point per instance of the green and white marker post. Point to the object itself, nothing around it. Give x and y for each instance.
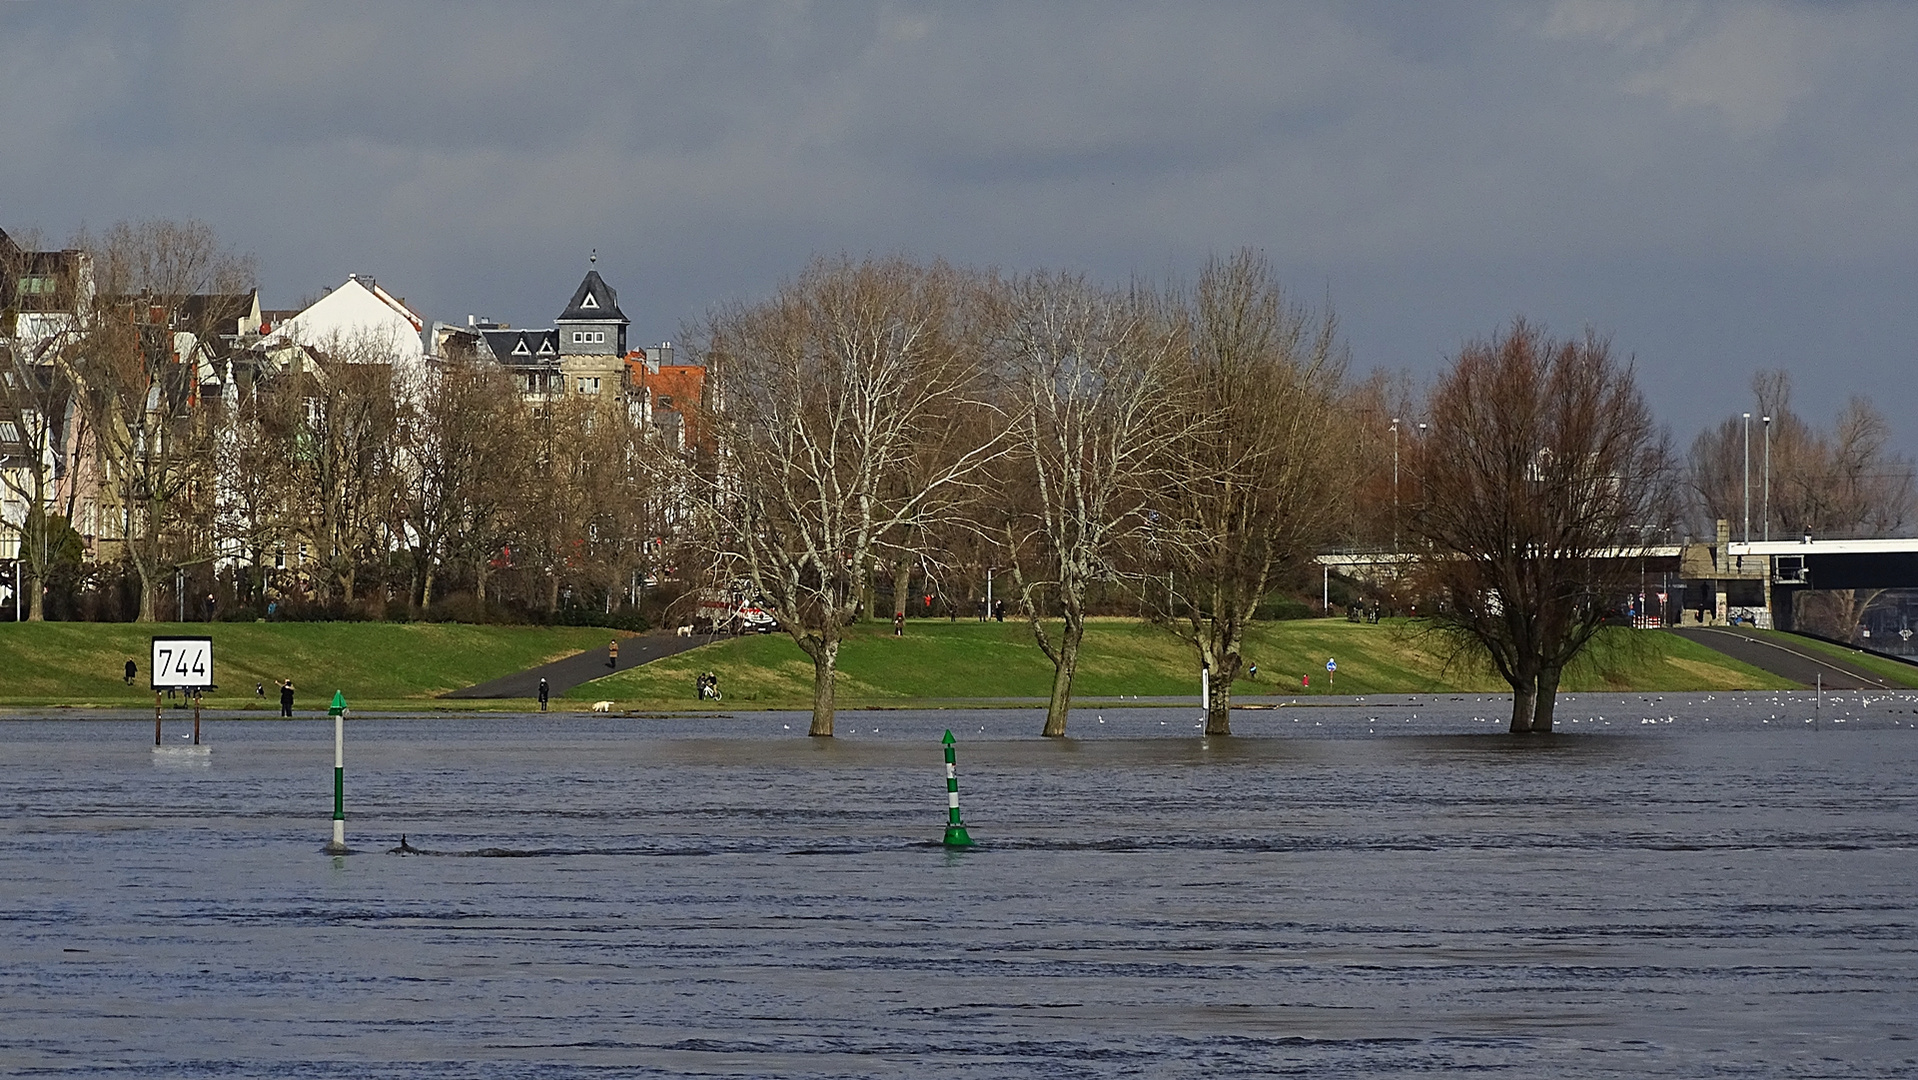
(338, 712)
(955, 829)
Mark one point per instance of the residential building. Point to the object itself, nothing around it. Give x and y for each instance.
(359, 322)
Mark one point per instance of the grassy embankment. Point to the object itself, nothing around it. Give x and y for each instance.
(992, 661)
(388, 666)
(1895, 672)
(376, 665)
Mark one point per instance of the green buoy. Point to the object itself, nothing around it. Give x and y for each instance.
(338, 712)
(955, 829)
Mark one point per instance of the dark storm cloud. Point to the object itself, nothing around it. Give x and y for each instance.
(1722, 187)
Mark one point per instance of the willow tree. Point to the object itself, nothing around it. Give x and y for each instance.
(1255, 469)
(1092, 385)
(822, 399)
(1541, 480)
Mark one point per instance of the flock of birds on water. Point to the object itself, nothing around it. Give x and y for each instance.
(1825, 706)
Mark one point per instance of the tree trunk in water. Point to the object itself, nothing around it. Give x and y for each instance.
(901, 585)
(1218, 716)
(824, 662)
(1547, 702)
(1218, 713)
(1063, 671)
(1524, 693)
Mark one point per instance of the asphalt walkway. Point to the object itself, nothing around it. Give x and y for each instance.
(569, 671)
(1784, 658)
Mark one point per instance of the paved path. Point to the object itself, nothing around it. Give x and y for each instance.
(1785, 658)
(567, 672)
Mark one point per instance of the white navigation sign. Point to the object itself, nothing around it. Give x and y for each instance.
(182, 663)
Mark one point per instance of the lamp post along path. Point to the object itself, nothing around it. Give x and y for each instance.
(1767, 508)
(1748, 478)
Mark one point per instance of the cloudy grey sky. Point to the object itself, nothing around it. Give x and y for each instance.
(1721, 187)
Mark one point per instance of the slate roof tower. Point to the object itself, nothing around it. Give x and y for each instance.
(592, 338)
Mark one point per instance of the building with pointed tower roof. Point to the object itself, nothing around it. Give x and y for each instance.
(592, 338)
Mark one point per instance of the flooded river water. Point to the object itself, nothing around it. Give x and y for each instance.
(1686, 886)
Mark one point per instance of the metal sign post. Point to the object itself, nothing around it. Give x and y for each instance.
(184, 664)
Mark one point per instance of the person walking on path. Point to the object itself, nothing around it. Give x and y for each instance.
(132, 670)
(612, 654)
(542, 694)
(286, 697)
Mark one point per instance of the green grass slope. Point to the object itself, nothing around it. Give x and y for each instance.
(1895, 672)
(994, 661)
(372, 663)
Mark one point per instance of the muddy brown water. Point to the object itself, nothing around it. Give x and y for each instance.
(1678, 885)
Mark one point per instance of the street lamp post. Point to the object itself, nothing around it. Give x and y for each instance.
(1395, 484)
(1768, 478)
(1748, 478)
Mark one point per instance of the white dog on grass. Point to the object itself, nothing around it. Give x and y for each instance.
(602, 706)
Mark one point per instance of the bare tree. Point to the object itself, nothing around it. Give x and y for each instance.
(1541, 480)
(255, 480)
(1841, 482)
(819, 399)
(1093, 381)
(137, 384)
(467, 456)
(554, 519)
(338, 423)
(1256, 470)
(44, 297)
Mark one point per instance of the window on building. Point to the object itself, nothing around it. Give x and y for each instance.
(35, 285)
(8, 432)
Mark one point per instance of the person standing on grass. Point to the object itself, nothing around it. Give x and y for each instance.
(132, 670)
(899, 624)
(286, 697)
